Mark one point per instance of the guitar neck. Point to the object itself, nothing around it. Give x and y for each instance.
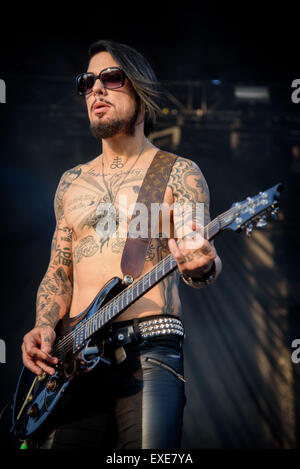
(155, 275)
(123, 300)
(240, 215)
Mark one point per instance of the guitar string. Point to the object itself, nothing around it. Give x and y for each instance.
(87, 322)
(69, 338)
(102, 311)
(83, 325)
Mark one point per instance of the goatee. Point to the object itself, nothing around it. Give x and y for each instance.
(102, 130)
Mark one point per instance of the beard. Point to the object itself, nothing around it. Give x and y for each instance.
(109, 129)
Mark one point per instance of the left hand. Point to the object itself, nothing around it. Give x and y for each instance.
(194, 256)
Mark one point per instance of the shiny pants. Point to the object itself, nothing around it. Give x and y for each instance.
(136, 402)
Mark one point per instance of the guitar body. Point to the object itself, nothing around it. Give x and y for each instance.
(37, 396)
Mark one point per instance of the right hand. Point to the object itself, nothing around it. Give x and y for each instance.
(36, 347)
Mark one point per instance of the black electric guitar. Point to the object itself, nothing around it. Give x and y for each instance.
(75, 345)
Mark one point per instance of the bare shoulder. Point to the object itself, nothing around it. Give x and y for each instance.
(69, 177)
(185, 167)
(187, 181)
(66, 180)
(185, 163)
(72, 174)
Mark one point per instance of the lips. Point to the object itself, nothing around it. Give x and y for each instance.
(100, 107)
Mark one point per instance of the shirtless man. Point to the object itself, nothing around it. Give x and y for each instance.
(82, 261)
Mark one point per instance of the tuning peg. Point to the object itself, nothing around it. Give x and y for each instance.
(249, 229)
(261, 222)
(274, 213)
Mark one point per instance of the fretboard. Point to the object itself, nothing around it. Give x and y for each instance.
(89, 326)
(123, 300)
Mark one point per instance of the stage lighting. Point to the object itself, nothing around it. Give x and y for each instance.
(252, 93)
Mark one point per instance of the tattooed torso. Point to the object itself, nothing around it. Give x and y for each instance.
(95, 255)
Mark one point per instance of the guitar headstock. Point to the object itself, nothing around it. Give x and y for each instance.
(253, 211)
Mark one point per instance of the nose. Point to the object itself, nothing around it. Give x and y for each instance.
(98, 87)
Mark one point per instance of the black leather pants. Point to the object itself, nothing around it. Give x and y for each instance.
(136, 402)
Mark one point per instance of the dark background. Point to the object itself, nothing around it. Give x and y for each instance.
(242, 387)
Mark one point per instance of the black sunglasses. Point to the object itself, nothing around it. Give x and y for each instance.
(111, 78)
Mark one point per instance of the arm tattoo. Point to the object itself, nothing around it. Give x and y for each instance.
(189, 187)
(65, 182)
(170, 282)
(53, 297)
(55, 291)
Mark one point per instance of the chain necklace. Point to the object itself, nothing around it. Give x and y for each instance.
(112, 199)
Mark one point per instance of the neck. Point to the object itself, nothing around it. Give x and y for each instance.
(123, 146)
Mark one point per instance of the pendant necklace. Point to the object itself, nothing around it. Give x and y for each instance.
(112, 199)
(109, 192)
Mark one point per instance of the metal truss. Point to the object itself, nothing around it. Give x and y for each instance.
(193, 103)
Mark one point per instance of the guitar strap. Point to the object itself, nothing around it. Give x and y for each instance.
(152, 191)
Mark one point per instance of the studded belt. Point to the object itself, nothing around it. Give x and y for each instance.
(161, 326)
(118, 333)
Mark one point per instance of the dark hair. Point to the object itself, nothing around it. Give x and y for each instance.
(139, 72)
